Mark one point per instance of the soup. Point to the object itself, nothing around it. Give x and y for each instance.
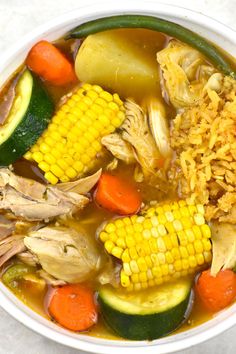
(118, 156)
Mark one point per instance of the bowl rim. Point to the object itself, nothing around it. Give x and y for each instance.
(27, 316)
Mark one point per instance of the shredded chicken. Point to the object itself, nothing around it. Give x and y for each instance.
(136, 131)
(32, 200)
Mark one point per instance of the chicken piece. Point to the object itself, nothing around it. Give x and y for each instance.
(32, 200)
(64, 253)
(224, 246)
(119, 148)
(185, 72)
(137, 133)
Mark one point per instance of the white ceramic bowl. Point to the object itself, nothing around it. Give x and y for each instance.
(205, 26)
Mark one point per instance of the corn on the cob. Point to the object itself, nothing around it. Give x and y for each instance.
(166, 242)
(69, 146)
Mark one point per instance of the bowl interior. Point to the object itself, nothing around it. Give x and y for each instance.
(205, 26)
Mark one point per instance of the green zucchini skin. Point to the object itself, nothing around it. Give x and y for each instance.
(156, 24)
(144, 327)
(30, 128)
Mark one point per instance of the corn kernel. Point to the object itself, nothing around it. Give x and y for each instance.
(134, 266)
(178, 265)
(44, 166)
(183, 251)
(161, 230)
(169, 216)
(135, 278)
(174, 240)
(206, 231)
(158, 281)
(124, 279)
(190, 249)
(109, 245)
(161, 258)
(206, 244)
(177, 225)
(70, 172)
(130, 242)
(182, 238)
(190, 235)
(192, 262)
(161, 244)
(120, 242)
(126, 256)
(37, 156)
(51, 178)
(104, 236)
(142, 277)
(164, 269)
(154, 220)
(156, 271)
(199, 219)
(198, 246)
(199, 259)
(133, 253)
(169, 257)
(110, 228)
(175, 253)
(169, 227)
(197, 232)
(142, 264)
(208, 256)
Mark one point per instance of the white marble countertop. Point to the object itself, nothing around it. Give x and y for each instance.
(18, 17)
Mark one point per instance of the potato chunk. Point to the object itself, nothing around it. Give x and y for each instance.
(120, 61)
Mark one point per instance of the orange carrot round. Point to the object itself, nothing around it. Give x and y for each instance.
(117, 195)
(216, 292)
(73, 307)
(49, 63)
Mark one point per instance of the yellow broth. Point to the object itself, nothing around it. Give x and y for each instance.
(93, 216)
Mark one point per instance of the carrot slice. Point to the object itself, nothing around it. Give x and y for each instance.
(117, 195)
(49, 63)
(73, 307)
(216, 292)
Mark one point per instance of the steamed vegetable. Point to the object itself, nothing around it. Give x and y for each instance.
(160, 25)
(16, 272)
(181, 66)
(216, 292)
(121, 65)
(29, 115)
(117, 195)
(48, 62)
(167, 241)
(71, 151)
(145, 315)
(224, 246)
(65, 253)
(73, 307)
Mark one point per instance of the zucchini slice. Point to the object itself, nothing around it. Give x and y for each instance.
(30, 114)
(148, 314)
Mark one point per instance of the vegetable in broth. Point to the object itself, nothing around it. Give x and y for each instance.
(119, 204)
